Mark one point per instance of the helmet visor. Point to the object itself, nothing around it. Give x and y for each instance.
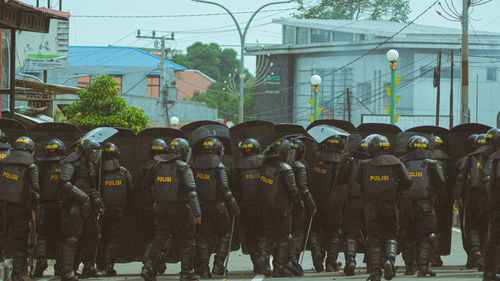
(95, 155)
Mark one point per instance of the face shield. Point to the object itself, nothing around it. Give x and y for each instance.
(291, 155)
(95, 155)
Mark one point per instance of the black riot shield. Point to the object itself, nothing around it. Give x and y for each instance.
(459, 134)
(13, 129)
(400, 145)
(262, 131)
(341, 124)
(42, 133)
(388, 130)
(290, 130)
(211, 130)
(441, 132)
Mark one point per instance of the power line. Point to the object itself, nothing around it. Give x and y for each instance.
(174, 16)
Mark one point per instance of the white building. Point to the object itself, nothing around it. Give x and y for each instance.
(351, 54)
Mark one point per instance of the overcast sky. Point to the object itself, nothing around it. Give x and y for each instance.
(217, 28)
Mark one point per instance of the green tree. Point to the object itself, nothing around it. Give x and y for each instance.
(393, 10)
(101, 105)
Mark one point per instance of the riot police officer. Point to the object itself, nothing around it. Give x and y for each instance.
(81, 203)
(217, 203)
(116, 182)
(471, 194)
(492, 170)
(49, 235)
(171, 187)
(246, 178)
(418, 216)
(4, 145)
(19, 197)
(298, 211)
(325, 226)
(277, 192)
(354, 218)
(381, 178)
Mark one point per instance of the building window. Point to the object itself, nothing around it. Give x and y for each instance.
(288, 35)
(118, 79)
(320, 36)
(491, 74)
(342, 36)
(302, 35)
(83, 81)
(153, 86)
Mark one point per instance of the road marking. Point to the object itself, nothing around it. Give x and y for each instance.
(258, 278)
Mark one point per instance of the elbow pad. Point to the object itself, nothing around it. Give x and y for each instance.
(194, 203)
(308, 200)
(231, 203)
(74, 192)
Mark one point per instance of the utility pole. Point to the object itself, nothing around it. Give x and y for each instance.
(451, 90)
(163, 80)
(477, 98)
(465, 112)
(438, 86)
(348, 104)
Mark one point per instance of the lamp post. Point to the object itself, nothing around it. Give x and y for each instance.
(392, 56)
(242, 35)
(174, 121)
(315, 81)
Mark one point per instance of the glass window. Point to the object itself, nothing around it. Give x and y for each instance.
(288, 35)
(491, 74)
(320, 36)
(83, 81)
(342, 36)
(153, 86)
(302, 35)
(4, 58)
(118, 79)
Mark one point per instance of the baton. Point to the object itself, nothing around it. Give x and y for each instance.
(229, 248)
(307, 238)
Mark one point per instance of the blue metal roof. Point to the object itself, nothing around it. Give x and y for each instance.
(115, 56)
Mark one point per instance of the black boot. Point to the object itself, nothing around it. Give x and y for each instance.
(68, 257)
(280, 259)
(40, 267)
(474, 254)
(374, 252)
(316, 252)
(350, 256)
(58, 266)
(425, 251)
(187, 256)
(18, 266)
(332, 249)
(295, 249)
(390, 253)
(109, 261)
(147, 272)
(89, 270)
(203, 258)
(218, 267)
(410, 257)
(221, 250)
(262, 259)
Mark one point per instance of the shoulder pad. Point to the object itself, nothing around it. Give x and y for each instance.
(19, 157)
(221, 166)
(166, 157)
(249, 162)
(440, 155)
(72, 157)
(285, 166)
(496, 155)
(299, 165)
(384, 160)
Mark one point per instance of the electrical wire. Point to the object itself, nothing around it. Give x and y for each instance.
(177, 15)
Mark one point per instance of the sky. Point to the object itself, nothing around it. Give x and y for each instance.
(85, 31)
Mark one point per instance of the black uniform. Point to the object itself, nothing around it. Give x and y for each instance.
(116, 182)
(171, 187)
(18, 198)
(326, 224)
(472, 190)
(49, 231)
(216, 200)
(298, 215)
(381, 178)
(79, 225)
(418, 215)
(246, 179)
(492, 169)
(277, 192)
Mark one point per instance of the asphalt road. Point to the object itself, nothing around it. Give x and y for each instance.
(240, 268)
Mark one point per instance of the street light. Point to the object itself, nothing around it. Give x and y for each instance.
(174, 121)
(242, 35)
(315, 81)
(392, 56)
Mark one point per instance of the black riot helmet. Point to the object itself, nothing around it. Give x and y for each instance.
(249, 147)
(158, 146)
(110, 151)
(54, 147)
(24, 144)
(181, 146)
(492, 135)
(300, 148)
(480, 140)
(91, 150)
(436, 142)
(333, 144)
(3, 136)
(378, 144)
(285, 150)
(418, 143)
(212, 145)
(363, 146)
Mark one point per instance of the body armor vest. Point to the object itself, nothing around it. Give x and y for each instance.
(323, 173)
(249, 182)
(206, 184)
(49, 189)
(476, 171)
(354, 187)
(379, 183)
(114, 188)
(269, 185)
(83, 177)
(419, 172)
(12, 181)
(166, 185)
